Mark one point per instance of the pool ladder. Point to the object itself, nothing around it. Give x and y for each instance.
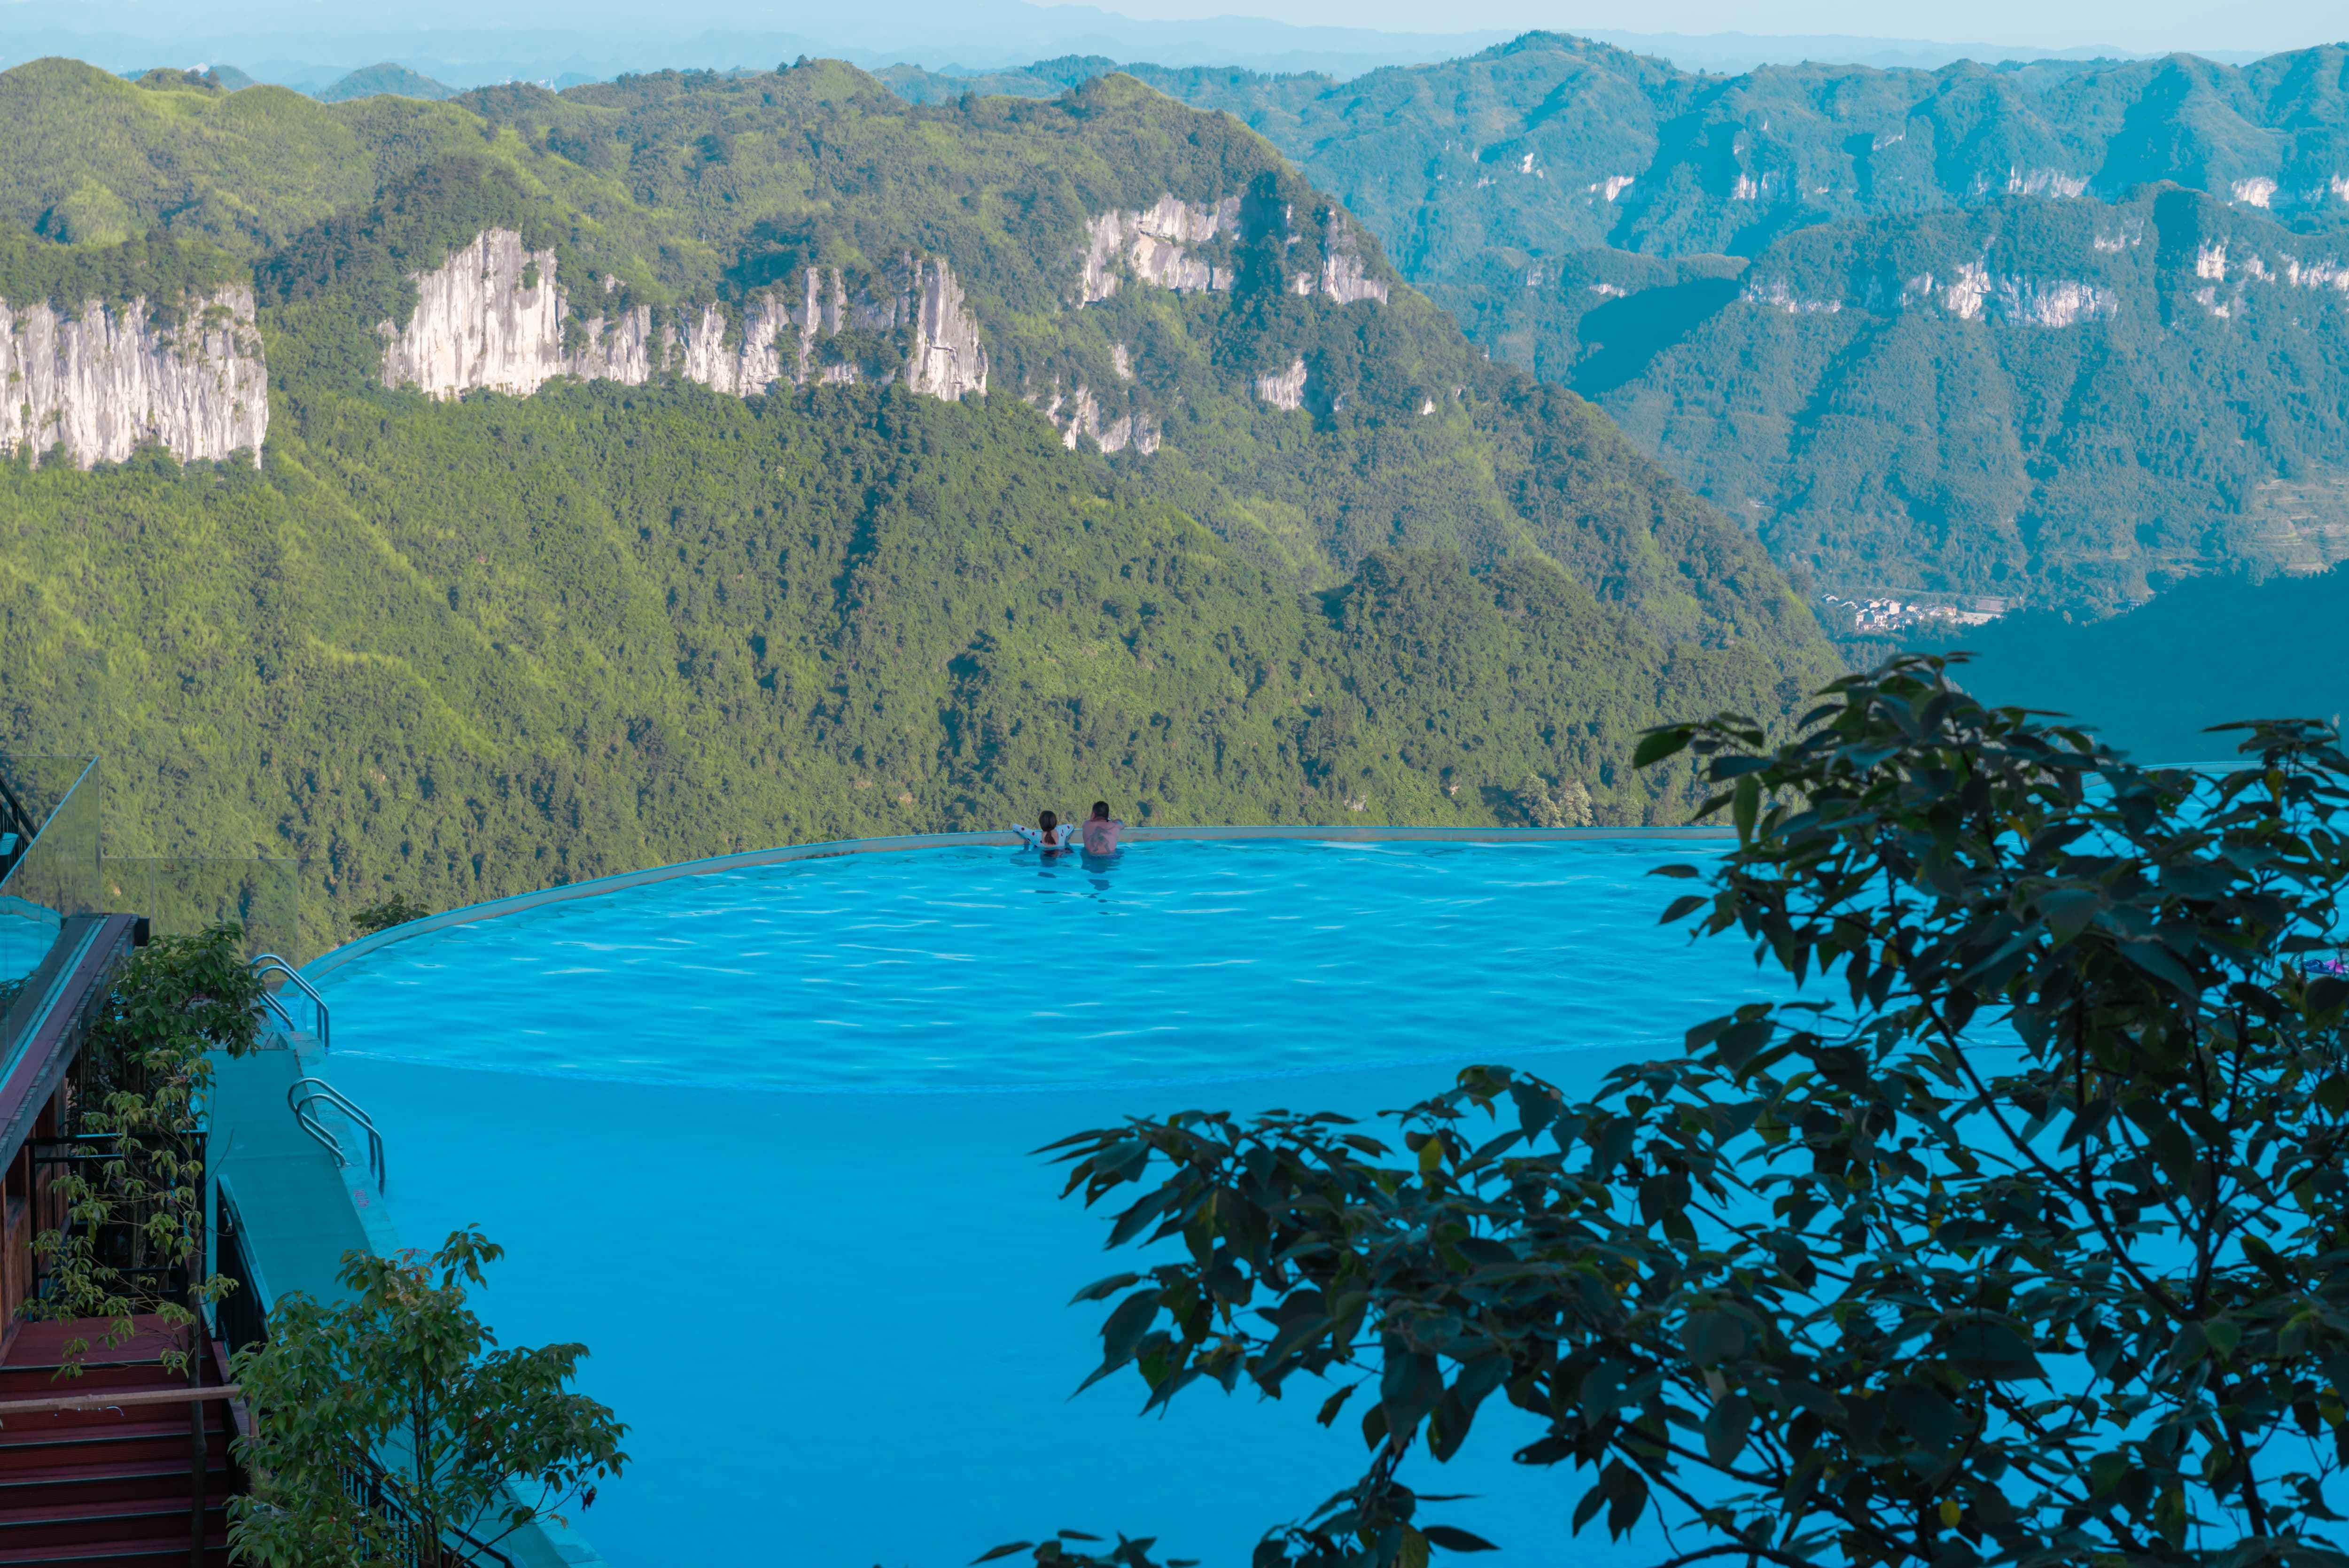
(303, 1097)
(267, 963)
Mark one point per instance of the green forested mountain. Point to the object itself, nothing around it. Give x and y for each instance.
(385, 77)
(459, 648)
(2073, 403)
(1592, 214)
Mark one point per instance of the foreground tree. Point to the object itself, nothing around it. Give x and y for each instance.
(2014, 1234)
(389, 1429)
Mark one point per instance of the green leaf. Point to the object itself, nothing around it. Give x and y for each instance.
(1657, 744)
(1745, 806)
(1409, 1386)
(1725, 1427)
(1711, 1337)
(1102, 1288)
(1454, 1540)
(1328, 1415)
(1991, 1349)
(2068, 911)
(1926, 1414)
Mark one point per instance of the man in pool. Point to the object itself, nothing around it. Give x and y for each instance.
(1050, 835)
(1100, 834)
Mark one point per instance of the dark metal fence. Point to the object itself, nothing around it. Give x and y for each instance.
(17, 829)
(123, 1246)
(239, 1319)
(377, 1489)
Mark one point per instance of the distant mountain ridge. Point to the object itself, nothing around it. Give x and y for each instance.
(385, 78)
(308, 46)
(2216, 651)
(1552, 185)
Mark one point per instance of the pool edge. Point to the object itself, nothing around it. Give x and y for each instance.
(334, 958)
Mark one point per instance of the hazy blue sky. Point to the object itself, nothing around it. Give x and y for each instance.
(2140, 24)
(471, 40)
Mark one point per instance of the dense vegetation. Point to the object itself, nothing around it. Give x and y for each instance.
(2022, 1244)
(477, 1441)
(129, 1251)
(2182, 422)
(157, 268)
(387, 77)
(1588, 214)
(449, 650)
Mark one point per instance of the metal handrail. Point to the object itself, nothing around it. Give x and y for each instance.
(298, 1096)
(269, 1000)
(269, 963)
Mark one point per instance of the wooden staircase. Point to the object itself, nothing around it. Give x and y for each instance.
(105, 1488)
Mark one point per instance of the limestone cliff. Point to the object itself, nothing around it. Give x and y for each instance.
(1157, 246)
(1344, 277)
(1186, 247)
(1970, 291)
(494, 316)
(1284, 388)
(1079, 415)
(948, 359)
(109, 380)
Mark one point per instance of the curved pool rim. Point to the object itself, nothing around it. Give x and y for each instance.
(334, 958)
(944, 1190)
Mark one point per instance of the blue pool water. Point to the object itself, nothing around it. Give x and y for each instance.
(762, 1140)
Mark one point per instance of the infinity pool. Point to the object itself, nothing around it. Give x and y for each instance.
(762, 1140)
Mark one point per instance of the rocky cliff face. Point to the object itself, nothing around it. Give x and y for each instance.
(108, 381)
(1186, 247)
(1159, 245)
(494, 316)
(948, 359)
(1285, 388)
(1079, 415)
(1970, 291)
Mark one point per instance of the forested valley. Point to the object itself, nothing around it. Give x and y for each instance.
(1274, 545)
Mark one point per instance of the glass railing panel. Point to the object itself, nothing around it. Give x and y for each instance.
(182, 894)
(57, 874)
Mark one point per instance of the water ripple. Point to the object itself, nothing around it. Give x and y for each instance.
(935, 970)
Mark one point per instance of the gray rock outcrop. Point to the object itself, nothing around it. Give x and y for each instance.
(109, 380)
(947, 358)
(1161, 244)
(1344, 278)
(1079, 415)
(494, 316)
(1154, 246)
(1284, 388)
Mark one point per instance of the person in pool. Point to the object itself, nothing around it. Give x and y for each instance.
(1050, 835)
(1101, 832)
